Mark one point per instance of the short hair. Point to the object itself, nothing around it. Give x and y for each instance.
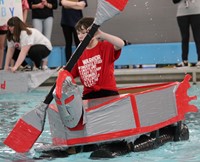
(84, 23)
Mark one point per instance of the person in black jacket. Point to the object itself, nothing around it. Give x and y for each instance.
(42, 18)
(71, 14)
(188, 16)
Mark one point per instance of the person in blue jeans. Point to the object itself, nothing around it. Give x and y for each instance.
(42, 19)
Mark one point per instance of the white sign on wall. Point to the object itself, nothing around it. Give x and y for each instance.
(8, 9)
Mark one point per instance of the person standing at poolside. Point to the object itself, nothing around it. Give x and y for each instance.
(25, 8)
(42, 19)
(3, 31)
(71, 14)
(188, 14)
(29, 41)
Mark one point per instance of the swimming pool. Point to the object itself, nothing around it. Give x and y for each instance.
(13, 106)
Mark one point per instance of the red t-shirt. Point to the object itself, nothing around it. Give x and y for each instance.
(4, 27)
(95, 68)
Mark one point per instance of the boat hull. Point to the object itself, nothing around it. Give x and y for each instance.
(136, 111)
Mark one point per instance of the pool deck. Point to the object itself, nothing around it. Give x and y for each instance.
(148, 75)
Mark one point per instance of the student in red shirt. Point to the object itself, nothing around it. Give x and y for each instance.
(95, 67)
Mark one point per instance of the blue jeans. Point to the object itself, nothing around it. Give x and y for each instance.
(45, 26)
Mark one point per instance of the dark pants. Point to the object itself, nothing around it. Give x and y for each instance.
(184, 23)
(36, 53)
(15, 56)
(69, 34)
(101, 93)
(2, 32)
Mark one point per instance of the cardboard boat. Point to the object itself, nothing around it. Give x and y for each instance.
(136, 111)
(23, 81)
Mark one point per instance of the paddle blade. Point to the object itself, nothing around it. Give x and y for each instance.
(106, 9)
(120, 4)
(27, 130)
(22, 137)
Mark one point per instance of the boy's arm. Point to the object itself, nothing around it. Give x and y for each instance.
(116, 41)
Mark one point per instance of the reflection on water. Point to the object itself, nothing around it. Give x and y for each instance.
(12, 107)
(8, 112)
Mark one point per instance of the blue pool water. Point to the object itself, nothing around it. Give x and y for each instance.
(13, 106)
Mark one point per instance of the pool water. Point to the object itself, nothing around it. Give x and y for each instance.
(13, 106)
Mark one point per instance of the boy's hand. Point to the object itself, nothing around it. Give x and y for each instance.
(98, 34)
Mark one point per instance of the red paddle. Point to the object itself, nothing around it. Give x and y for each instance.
(29, 127)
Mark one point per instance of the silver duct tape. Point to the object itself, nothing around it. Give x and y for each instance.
(105, 11)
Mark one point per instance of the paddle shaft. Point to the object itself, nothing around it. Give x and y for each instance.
(78, 52)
